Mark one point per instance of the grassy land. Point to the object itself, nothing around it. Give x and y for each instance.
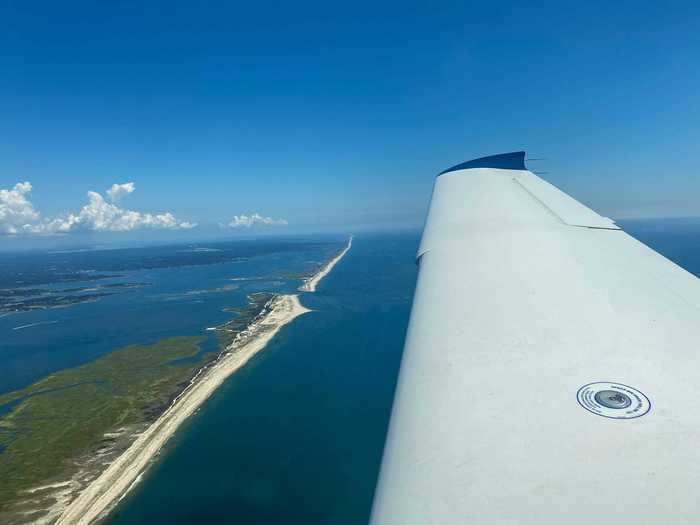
(46, 428)
(66, 414)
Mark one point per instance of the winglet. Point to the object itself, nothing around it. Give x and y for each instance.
(504, 161)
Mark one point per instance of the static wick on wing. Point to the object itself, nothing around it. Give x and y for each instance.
(535, 160)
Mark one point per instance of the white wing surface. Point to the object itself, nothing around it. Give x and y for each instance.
(551, 372)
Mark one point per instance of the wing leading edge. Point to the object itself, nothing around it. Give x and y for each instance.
(550, 371)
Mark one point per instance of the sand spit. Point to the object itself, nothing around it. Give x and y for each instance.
(310, 284)
(105, 491)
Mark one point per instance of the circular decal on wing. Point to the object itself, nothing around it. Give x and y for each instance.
(613, 400)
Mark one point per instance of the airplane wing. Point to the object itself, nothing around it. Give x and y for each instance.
(551, 371)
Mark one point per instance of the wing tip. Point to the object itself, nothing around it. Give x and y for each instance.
(514, 160)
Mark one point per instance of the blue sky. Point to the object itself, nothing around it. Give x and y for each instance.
(337, 116)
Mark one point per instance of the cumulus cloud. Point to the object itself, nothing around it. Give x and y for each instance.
(246, 221)
(117, 191)
(17, 214)
(16, 211)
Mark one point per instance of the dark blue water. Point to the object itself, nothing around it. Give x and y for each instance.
(296, 436)
(677, 239)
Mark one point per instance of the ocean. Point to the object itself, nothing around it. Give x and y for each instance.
(296, 435)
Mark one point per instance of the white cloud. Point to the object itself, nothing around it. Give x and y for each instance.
(246, 221)
(117, 191)
(17, 214)
(16, 211)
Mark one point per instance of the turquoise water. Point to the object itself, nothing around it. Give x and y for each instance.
(296, 436)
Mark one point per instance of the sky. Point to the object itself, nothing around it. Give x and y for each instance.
(245, 117)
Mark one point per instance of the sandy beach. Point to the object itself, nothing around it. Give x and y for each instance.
(107, 489)
(310, 284)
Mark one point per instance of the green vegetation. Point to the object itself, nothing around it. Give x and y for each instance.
(48, 429)
(65, 415)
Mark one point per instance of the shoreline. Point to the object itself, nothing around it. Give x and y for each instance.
(104, 492)
(310, 283)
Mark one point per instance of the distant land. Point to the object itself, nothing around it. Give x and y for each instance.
(22, 291)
